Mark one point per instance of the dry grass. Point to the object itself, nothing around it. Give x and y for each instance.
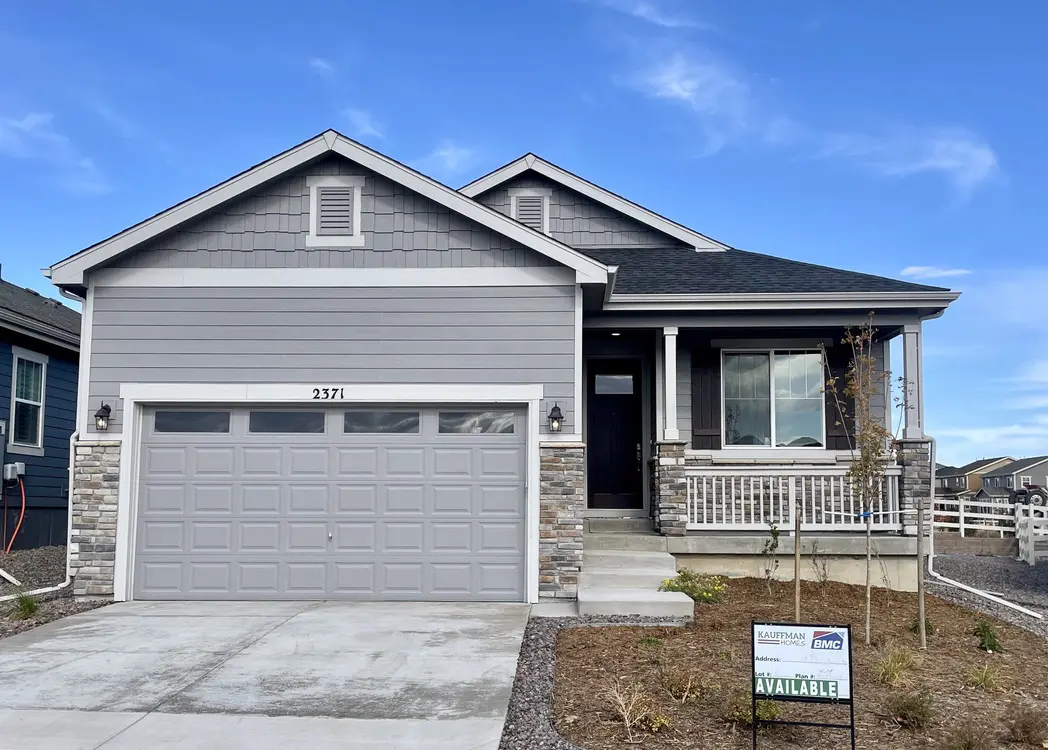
(716, 649)
(895, 665)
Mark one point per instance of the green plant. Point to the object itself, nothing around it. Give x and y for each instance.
(988, 640)
(630, 704)
(650, 640)
(24, 606)
(1029, 726)
(968, 736)
(656, 722)
(894, 664)
(987, 677)
(911, 710)
(738, 710)
(915, 626)
(701, 588)
(683, 685)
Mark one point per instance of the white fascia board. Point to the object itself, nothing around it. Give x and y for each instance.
(71, 270)
(593, 192)
(805, 301)
(335, 277)
(354, 393)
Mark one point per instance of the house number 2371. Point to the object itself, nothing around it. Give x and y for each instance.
(328, 394)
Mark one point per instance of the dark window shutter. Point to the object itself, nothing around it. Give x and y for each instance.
(335, 210)
(705, 399)
(838, 430)
(529, 210)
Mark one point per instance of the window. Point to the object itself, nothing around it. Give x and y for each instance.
(381, 422)
(1007, 481)
(774, 398)
(286, 421)
(334, 211)
(27, 400)
(475, 422)
(530, 206)
(191, 421)
(613, 384)
(1024, 481)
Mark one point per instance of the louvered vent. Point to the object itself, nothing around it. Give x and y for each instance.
(336, 210)
(529, 211)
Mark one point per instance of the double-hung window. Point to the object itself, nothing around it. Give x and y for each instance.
(774, 398)
(29, 376)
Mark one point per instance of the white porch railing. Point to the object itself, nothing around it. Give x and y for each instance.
(968, 515)
(750, 499)
(1031, 529)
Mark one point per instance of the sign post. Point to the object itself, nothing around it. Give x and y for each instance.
(802, 664)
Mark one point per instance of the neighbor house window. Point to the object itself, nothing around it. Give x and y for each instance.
(334, 212)
(530, 206)
(1024, 481)
(774, 398)
(27, 400)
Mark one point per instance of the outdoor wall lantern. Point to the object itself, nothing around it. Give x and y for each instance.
(556, 419)
(102, 418)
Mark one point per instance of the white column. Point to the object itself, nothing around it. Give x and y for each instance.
(669, 372)
(913, 382)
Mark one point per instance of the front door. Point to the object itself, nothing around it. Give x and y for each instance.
(613, 434)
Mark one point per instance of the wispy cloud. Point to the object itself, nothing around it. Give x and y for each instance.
(363, 124)
(34, 137)
(321, 67)
(657, 13)
(932, 272)
(447, 159)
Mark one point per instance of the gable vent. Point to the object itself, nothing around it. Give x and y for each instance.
(529, 211)
(335, 210)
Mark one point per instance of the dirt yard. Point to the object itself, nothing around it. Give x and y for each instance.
(715, 651)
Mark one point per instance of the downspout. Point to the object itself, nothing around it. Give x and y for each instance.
(949, 581)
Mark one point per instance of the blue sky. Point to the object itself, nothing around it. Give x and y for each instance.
(899, 139)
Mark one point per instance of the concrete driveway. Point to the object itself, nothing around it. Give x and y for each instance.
(229, 675)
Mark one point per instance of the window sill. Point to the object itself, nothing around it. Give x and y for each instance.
(24, 450)
(334, 240)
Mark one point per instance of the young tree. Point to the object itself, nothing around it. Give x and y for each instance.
(871, 441)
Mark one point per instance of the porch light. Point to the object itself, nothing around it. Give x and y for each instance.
(556, 419)
(102, 418)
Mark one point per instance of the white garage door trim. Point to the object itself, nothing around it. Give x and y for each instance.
(137, 395)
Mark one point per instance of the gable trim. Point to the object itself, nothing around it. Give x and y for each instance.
(779, 301)
(596, 193)
(70, 272)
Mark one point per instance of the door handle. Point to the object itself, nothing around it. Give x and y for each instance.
(330, 536)
(639, 462)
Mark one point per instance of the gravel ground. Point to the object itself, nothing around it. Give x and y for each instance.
(35, 568)
(49, 611)
(528, 722)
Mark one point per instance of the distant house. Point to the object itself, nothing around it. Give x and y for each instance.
(965, 481)
(39, 355)
(1003, 481)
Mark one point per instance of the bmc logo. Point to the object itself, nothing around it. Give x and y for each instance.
(826, 640)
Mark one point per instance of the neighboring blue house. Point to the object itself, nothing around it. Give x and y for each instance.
(39, 355)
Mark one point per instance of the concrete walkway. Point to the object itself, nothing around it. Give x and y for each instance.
(230, 675)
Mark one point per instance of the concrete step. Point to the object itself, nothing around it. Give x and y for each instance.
(652, 561)
(611, 578)
(603, 601)
(641, 542)
(618, 525)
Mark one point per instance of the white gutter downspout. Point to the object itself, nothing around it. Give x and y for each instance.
(949, 581)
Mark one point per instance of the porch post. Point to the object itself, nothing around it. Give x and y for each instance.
(669, 371)
(913, 383)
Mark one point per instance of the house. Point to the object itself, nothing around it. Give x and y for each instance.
(965, 481)
(39, 352)
(331, 376)
(1003, 481)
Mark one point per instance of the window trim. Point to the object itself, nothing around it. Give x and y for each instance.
(544, 193)
(771, 392)
(1025, 479)
(356, 182)
(35, 449)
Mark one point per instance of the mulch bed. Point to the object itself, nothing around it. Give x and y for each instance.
(716, 648)
(49, 611)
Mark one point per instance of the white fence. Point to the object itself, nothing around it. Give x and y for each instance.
(1031, 529)
(744, 499)
(968, 516)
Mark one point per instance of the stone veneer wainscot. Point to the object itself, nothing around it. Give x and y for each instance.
(562, 500)
(92, 549)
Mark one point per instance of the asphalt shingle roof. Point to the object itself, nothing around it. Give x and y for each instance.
(1016, 466)
(34, 306)
(685, 271)
(969, 468)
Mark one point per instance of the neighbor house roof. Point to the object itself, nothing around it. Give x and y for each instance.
(1017, 466)
(972, 468)
(32, 314)
(996, 491)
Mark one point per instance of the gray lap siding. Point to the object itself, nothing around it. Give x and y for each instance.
(482, 335)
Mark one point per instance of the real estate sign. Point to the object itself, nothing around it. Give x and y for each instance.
(802, 662)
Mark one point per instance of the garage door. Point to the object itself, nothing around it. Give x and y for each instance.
(387, 503)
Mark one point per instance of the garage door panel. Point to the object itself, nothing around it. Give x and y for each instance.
(394, 516)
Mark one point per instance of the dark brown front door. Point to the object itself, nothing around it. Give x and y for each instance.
(613, 434)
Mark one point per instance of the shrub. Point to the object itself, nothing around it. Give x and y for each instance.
(683, 685)
(915, 626)
(988, 641)
(630, 704)
(911, 710)
(1029, 726)
(894, 664)
(656, 722)
(968, 736)
(701, 588)
(738, 710)
(987, 677)
(650, 640)
(23, 606)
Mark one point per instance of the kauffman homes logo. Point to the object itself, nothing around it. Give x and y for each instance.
(782, 638)
(827, 640)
